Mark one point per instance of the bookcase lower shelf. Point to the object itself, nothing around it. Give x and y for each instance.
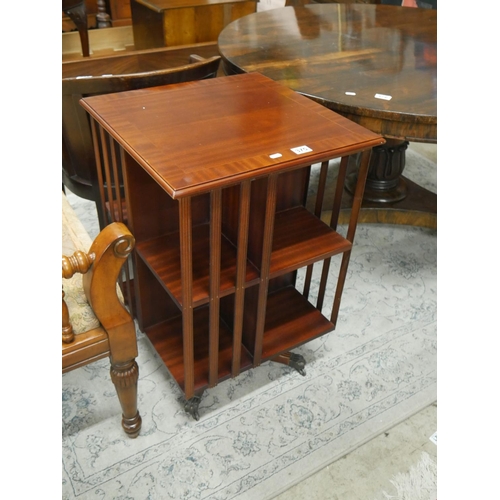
(291, 320)
(166, 338)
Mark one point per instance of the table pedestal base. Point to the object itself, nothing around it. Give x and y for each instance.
(389, 197)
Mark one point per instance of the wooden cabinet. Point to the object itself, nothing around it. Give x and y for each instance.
(120, 12)
(217, 177)
(167, 23)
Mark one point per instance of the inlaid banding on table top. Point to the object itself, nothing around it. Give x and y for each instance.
(208, 137)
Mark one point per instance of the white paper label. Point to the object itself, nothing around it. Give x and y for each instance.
(350, 93)
(301, 150)
(383, 96)
(275, 155)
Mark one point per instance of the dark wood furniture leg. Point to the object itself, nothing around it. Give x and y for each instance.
(78, 14)
(389, 197)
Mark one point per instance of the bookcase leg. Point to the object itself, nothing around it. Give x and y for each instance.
(191, 406)
(292, 359)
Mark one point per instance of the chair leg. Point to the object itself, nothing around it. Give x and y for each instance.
(124, 377)
(78, 14)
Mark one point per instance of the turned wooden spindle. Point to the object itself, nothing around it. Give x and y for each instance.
(103, 18)
(67, 330)
(79, 262)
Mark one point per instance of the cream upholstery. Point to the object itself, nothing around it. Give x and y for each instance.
(75, 237)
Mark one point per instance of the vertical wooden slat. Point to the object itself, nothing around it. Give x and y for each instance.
(128, 281)
(241, 269)
(306, 185)
(125, 201)
(99, 136)
(356, 207)
(340, 286)
(321, 189)
(317, 211)
(186, 250)
(358, 194)
(339, 189)
(323, 282)
(97, 154)
(214, 299)
(116, 201)
(267, 246)
(107, 174)
(337, 202)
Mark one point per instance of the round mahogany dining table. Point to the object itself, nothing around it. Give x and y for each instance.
(374, 64)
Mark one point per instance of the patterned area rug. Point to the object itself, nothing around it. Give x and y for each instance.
(270, 427)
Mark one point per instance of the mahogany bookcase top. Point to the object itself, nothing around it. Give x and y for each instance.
(197, 136)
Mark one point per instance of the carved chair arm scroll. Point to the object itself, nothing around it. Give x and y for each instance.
(100, 268)
(111, 248)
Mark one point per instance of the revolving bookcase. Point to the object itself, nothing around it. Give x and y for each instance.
(216, 187)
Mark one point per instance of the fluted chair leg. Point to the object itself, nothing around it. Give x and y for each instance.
(125, 377)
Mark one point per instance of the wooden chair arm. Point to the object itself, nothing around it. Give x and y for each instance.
(111, 249)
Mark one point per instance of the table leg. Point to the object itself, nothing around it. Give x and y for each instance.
(389, 197)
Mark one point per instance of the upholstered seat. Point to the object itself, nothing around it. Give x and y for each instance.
(74, 238)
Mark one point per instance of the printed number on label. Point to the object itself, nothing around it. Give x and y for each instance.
(301, 150)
